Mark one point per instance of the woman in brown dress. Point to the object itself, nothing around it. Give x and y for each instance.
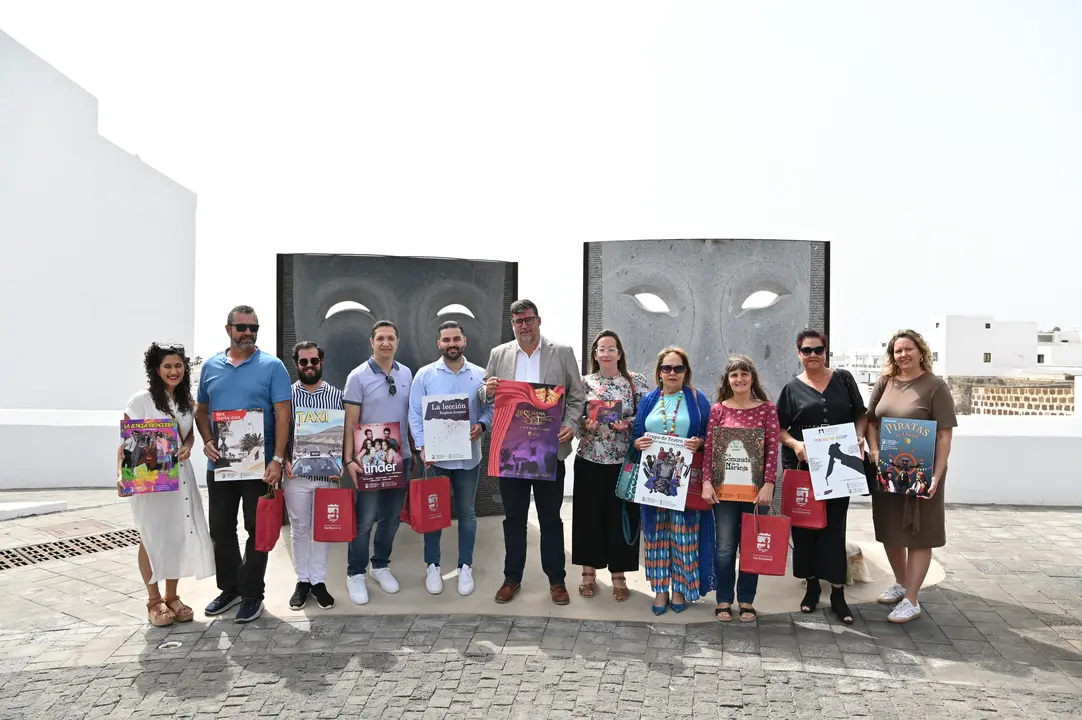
(907, 525)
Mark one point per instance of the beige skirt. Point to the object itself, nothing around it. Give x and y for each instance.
(908, 521)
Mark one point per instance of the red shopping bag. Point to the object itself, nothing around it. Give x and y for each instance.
(428, 504)
(268, 519)
(332, 515)
(764, 543)
(695, 485)
(798, 501)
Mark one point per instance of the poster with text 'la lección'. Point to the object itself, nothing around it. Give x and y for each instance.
(446, 423)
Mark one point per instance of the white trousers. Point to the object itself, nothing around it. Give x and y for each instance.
(309, 556)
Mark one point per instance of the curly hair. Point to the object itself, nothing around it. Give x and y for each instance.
(890, 367)
(152, 360)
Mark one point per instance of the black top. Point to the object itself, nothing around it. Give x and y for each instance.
(802, 406)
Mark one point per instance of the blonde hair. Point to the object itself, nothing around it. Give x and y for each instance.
(890, 367)
(745, 363)
(683, 357)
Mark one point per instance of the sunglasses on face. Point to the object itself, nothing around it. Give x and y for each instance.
(670, 369)
(806, 351)
(392, 388)
(305, 362)
(245, 327)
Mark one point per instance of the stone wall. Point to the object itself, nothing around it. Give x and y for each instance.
(1030, 399)
(962, 387)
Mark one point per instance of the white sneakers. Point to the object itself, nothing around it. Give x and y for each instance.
(433, 580)
(904, 611)
(891, 595)
(465, 580)
(385, 579)
(358, 590)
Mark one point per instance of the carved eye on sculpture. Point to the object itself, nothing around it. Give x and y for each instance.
(759, 299)
(455, 309)
(651, 303)
(346, 306)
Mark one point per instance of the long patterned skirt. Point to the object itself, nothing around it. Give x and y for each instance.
(672, 547)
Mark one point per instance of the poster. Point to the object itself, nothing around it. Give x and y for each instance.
(317, 442)
(835, 461)
(379, 451)
(526, 423)
(906, 455)
(238, 436)
(737, 467)
(606, 411)
(150, 456)
(664, 473)
(446, 422)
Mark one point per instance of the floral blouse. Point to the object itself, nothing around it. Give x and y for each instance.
(606, 446)
(765, 416)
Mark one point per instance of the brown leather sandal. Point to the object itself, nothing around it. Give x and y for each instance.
(158, 613)
(180, 614)
(620, 592)
(588, 587)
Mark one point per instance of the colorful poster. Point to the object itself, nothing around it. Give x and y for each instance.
(664, 473)
(526, 423)
(238, 436)
(906, 456)
(447, 427)
(317, 442)
(606, 411)
(379, 449)
(150, 456)
(737, 466)
(835, 461)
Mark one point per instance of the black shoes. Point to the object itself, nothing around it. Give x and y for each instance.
(250, 609)
(319, 591)
(222, 603)
(300, 596)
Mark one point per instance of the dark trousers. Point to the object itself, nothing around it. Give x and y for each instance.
(821, 553)
(548, 497)
(234, 574)
(597, 520)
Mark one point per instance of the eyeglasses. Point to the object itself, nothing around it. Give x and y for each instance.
(392, 388)
(305, 362)
(606, 351)
(519, 322)
(245, 327)
(670, 369)
(818, 350)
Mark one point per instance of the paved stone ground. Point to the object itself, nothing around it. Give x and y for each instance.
(1001, 637)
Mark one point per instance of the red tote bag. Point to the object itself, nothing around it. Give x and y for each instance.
(332, 515)
(798, 502)
(764, 543)
(695, 485)
(428, 504)
(268, 519)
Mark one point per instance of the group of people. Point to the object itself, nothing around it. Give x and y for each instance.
(687, 553)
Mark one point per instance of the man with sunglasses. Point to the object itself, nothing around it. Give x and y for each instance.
(242, 378)
(377, 391)
(531, 358)
(310, 392)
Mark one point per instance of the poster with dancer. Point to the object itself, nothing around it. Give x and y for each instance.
(317, 442)
(379, 450)
(447, 427)
(906, 456)
(525, 440)
(606, 411)
(738, 466)
(150, 456)
(238, 436)
(664, 473)
(835, 461)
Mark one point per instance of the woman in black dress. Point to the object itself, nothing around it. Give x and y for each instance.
(819, 396)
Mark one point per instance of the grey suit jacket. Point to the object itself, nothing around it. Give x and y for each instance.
(558, 367)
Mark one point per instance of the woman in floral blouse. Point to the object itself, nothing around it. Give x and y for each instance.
(597, 534)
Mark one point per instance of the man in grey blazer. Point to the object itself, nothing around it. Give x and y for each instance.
(531, 358)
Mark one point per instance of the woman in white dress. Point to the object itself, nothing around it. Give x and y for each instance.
(175, 542)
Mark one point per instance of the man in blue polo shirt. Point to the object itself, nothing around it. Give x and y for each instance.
(377, 391)
(242, 378)
(453, 374)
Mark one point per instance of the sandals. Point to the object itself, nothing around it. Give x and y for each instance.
(811, 597)
(749, 610)
(158, 613)
(724, 613)
(181, 614)
(839, 606)
(620, 592)
(588, 587)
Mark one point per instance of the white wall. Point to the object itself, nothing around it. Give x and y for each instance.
(961, 341)
(100, 261)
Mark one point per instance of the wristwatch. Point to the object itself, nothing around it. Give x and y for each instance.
(281, 461)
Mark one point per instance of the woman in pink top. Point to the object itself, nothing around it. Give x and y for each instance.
(742, 403)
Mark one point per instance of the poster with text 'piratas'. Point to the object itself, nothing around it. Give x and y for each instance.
(835, 461)
(525, 441)
(906, 456)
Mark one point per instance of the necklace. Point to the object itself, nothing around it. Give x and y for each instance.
(671, 429)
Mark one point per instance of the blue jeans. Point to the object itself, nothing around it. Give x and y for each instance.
(727, 517)
(380, 508)
(464, 489)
